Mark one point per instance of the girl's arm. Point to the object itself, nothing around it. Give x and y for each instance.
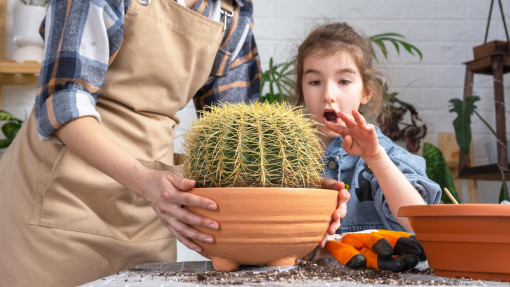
(397, 190)
(360, 139)
(165, 191)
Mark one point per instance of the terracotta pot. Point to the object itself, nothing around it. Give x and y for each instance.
(265, 226)
(464, 240)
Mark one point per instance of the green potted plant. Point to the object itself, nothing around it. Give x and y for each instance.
(462, 125)
(392, 123)
(261, 164)
(10, 127)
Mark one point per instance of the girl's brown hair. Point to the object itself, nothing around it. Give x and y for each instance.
(332, 38)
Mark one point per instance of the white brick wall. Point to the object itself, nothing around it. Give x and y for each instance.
(445, 31)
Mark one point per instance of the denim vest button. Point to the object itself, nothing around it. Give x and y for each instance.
(331, 164)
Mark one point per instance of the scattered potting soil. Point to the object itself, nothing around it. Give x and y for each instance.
(304, 272)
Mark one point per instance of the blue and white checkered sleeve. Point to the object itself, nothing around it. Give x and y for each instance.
(81, 38)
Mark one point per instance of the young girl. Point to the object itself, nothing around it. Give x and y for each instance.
(337, 85)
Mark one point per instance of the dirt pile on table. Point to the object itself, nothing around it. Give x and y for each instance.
(305, 272)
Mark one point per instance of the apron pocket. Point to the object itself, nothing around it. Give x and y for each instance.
(83, 199)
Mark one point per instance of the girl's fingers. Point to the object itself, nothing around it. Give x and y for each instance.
(329, 183)
(323, 241)
(333, 226)
(347, 119)
(360, 120)
(347, 143)
(337, 128)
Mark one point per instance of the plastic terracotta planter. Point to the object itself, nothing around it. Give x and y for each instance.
(265, 226)
(464, 240)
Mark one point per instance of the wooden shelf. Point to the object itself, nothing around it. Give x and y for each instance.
(13, 67)
(12, 72)
(483, 172)
(491, 58)
(484, 65)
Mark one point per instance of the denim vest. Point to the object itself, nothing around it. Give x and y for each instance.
(367, 208)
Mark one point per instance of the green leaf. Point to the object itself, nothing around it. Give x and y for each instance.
(438, 171)
(396, 40)
(462, 123)
(10, 130)
(462, 128)
(6, 116)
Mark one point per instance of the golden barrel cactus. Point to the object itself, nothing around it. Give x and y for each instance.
(259, 144)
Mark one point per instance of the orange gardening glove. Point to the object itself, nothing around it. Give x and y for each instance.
(379, 249)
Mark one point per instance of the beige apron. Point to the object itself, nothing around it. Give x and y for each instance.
(65, 223)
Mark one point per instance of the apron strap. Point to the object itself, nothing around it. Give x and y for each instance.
(227, 5)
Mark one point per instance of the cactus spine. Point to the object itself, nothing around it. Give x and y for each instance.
(260, 144)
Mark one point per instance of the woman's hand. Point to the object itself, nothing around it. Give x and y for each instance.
(167, 194)
(341, 208)
(359, 138)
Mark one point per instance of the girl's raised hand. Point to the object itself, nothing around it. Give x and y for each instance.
(359, 138)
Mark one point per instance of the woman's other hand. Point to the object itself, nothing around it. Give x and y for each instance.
(341, 208)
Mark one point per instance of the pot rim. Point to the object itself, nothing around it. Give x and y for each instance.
(469, 209)
(262, 189)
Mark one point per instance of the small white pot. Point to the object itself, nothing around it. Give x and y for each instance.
(27, 20)
(29, 53)
(491, 148)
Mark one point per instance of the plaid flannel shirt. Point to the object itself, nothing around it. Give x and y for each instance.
(83, 37)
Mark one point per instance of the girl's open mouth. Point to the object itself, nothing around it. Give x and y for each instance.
(330, 116)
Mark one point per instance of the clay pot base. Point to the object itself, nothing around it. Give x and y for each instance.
(264, 226)
(223, 264)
